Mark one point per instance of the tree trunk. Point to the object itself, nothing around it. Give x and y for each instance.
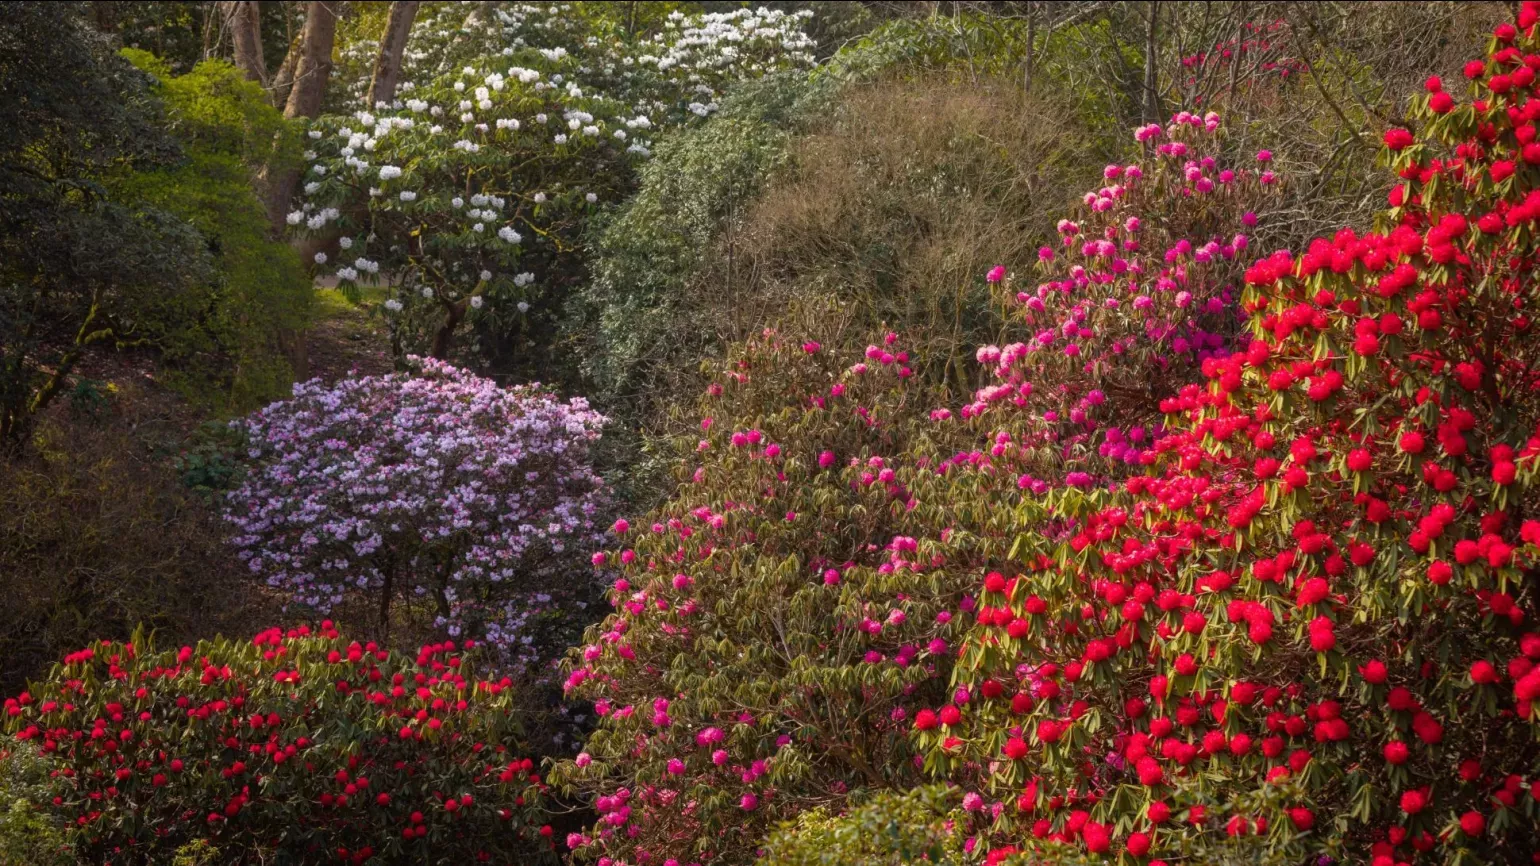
(243, 19)
(387, 64)
(314, 66)
(312, 69)
(311, 72)
(1151, 56)
(105, 16)
(283, 80)
(385, 593)
(444, 337)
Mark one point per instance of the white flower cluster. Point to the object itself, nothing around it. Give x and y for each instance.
(524, 83)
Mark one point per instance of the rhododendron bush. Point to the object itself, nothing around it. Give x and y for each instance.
(1141, 289)
(299, 745)
(439, 491)
(704, 741)
(471, 191)
(1309, 626)
(776, 621)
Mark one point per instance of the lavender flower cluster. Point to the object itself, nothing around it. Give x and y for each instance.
(440, 488)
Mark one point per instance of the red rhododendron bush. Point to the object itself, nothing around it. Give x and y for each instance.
(300, 745)
(1309, 626)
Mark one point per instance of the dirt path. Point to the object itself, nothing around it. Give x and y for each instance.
(347, 338)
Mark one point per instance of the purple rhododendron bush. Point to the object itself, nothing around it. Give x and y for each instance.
(438, 491)
(295, 746)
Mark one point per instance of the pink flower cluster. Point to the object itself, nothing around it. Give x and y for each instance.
(1143, 287)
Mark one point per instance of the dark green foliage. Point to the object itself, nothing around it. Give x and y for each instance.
(212, 458)
(76, 267)
(638, 323)
(128, 219)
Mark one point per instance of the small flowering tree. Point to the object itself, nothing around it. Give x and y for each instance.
(1308, 627)
(774, 622)
(440, 489)
(298, 745)
(471, 192)
(1144, 287)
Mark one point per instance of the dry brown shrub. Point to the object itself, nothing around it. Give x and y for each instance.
(893, 210)
(97, 535)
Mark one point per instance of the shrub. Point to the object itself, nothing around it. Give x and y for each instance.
(890, 197)
(774, 620)
(471, 192)
(892, 828)
(296, 744)
(226, 343)
(1309, 626)
(441, 490)
(894, 204)
(1143, 288)
(644, 315)
(28, 833)
(97, 536)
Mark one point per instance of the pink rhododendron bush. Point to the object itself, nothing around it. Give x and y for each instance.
(1309, 625)
(776, 622)
(297, 746)
(1144, 285)
(813, 481)
(439, 491)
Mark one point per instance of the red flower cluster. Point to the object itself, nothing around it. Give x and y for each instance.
(1319, 601)
(296, 744)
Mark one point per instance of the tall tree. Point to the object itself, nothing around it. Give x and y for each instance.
(1151, 63)
(314, 66)
(387, 64)
(243, 19)
(312, 70)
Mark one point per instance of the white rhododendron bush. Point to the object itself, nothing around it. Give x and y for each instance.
(470, 191)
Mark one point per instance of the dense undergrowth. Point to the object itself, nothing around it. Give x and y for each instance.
(975, 521)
